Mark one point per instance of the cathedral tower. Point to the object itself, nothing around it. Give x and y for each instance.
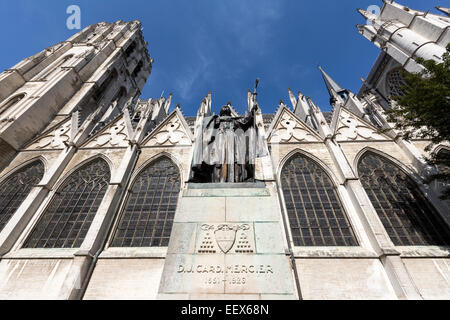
(99, 69)
(406, 34)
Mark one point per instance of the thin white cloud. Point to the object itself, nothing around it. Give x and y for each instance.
(191, 74)
(250, 23)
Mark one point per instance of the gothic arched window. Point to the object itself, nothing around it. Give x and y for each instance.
(122, 93)
(395, 83)
(103, 89)
(66, 221)
(147, 218)
(407, 216)
(11, 102)
(92, 103)
(15, 188)
(315, 213)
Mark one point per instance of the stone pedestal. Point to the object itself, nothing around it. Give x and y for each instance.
(227, 243)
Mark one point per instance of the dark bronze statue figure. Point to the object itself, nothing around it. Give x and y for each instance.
(227, 148)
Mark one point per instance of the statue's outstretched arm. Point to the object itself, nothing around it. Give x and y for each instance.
(212, 119)
(249, 119)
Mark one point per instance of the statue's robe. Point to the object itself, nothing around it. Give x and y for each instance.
(226, 149)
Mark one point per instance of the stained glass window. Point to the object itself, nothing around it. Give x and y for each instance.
(67, 219)
(395, 83)
(408, 217)
(148, 214)
(315, 212)
(15, 188)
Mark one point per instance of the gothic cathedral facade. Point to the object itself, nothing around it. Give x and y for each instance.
(96, 200)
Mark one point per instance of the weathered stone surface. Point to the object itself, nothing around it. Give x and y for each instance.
(431, 277)
(226, 186)
(269, 238)
(194, 210)
(230, 192)
(343, 279)
(278, 297)
(183, 237)
(33, 279)
(256, 274)
(110, 281)
(255, 209)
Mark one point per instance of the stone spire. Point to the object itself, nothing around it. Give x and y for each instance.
(340, 97)
(205, 106)
(292, 98)
(168, 103)
(301, 108)
(337, 93)
(319, 118)
(161, 108)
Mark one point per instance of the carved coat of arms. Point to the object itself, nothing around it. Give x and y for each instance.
(225, 234)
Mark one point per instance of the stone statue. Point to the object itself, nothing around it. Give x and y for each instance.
(227, 147)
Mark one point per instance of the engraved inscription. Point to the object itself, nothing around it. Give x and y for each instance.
(225, 269)
(230, 274)
(231, 281)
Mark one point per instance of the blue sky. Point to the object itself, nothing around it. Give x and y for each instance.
(217, 45)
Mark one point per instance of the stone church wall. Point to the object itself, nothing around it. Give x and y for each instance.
(77, 115)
